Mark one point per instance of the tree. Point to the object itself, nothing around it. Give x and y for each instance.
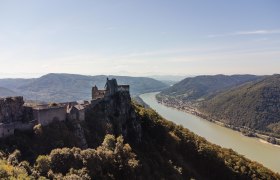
(62, 160)
(38, 129)
(13, 158)
(43, 165)
(109, 142)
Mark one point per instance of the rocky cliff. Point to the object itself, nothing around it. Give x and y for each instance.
(114, 115)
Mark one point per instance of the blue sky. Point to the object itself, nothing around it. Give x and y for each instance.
(139, 37)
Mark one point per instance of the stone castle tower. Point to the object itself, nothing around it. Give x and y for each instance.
(111, 87)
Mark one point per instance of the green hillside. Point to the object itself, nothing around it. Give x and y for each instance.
(201, 87)
(255, 105)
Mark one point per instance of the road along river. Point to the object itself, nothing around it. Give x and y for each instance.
(252, 148)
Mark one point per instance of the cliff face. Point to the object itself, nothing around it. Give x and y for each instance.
(120, 113)
(114, 115)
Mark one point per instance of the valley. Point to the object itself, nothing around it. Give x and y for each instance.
(253, 148)
(58, 87)
(251, 106)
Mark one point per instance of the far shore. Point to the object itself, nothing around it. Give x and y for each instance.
(265, 142)
(191, 110)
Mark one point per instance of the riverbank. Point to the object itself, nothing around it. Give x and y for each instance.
(252, 148)
(189, 108)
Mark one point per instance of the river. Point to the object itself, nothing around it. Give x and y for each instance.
(252, 148)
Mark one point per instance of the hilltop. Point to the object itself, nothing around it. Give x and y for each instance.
(70, 87)
(255, 105)
(201, 87)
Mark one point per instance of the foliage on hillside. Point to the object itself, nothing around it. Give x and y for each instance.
(255, 105)
(201, 87)
(191, 155)
(165, 151)
(112, 160)
(41, 140)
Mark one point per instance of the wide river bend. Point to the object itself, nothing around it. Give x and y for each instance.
(252, 148)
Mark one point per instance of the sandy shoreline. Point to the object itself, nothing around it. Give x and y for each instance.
(265, 142)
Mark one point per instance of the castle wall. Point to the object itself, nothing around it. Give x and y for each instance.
(48, 115)
(95, 101)
(10, 128)
(123, 88)
(15, 116)
(25, 126)
(11, 109)
(98, 94)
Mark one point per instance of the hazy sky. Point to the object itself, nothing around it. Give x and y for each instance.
(139, 37)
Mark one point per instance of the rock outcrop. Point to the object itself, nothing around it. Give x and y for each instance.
(115, 115)
(80, 134)
(11, 109)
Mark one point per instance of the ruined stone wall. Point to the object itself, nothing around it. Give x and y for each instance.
(95, 101)
(11, 109)
(98, 94)
(123, 88)
(25, 126)
(14, 116)
(47, 116)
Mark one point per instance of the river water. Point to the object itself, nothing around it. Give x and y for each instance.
(252, 148)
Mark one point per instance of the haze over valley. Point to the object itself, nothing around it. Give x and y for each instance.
(127, 89)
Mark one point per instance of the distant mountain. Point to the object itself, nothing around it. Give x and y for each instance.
(70, 87)
(13, 84)
(255, 105)
(4, 92)
(201, 87)
(168, 79)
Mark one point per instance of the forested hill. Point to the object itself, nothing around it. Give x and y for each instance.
(124, 141)
(201, 87)
(71, 87)
(4, 92)
(255, 105)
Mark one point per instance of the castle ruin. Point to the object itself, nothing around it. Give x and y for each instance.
(15, 115)
(111, 87)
